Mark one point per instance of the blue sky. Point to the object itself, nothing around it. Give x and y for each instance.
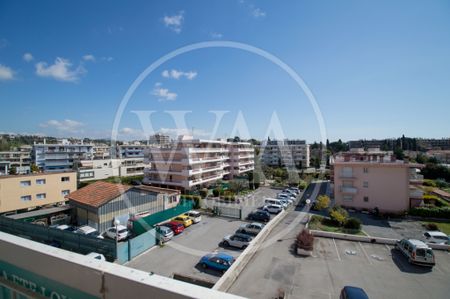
(376, 68)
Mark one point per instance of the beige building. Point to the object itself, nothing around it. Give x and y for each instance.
(20, 192)
(189, 163)
(375, 179)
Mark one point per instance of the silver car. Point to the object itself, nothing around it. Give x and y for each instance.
(251, 228)
(237, 240)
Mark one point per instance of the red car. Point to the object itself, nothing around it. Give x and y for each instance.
(177, 227)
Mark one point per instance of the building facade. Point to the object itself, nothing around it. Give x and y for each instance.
(60, 157)
(159, 139)
(20, 159)
(373, 179)
(190, 163)
(101, 203)
(285, 153)
(23, 192)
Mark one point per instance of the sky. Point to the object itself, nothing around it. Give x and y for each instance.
(369, 69)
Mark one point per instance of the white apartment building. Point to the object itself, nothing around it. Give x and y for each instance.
(19, 158)
(285, 153)
(61, 156)
(189, 162)
(159, 139)
(102, 151)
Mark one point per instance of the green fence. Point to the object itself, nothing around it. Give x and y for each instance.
(144, 224)
(64, 239)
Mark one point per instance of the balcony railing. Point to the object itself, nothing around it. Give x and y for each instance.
(348, 189)
(346, 175)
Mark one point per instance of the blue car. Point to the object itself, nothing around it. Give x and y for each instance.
(349, 292)
(217, 261)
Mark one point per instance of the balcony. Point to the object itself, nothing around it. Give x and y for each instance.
(246, 163)
(348, 190)
(346, 175)
(205, 150)
(156, 170)
(416, 178)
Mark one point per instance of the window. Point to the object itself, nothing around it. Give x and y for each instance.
(65, 179)
(366, 170)
(348, 198)
(366, 184)
(26, 198)
(25, 183)
(40, 196)
(65, 192)
(366, 198)
(40, 182)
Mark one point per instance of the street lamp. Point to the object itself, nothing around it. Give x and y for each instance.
(116, 224)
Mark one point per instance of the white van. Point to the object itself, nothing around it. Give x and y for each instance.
(273, 201)
(416, 251)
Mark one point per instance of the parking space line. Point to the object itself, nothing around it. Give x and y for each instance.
(365, 253)
(337, 251)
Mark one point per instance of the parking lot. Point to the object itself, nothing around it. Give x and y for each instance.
(182, 253)
(379, 269)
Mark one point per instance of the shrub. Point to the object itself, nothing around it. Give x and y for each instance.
(302, 185)
(216, 192)
(430, 199)
(305, 240)
(338, 214)
(431, 226)
(352, 223)
(322, 202)
(203, 192)
(435, 212)
(429, 183)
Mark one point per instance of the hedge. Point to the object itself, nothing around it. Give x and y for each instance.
(443, 212)
(195, 198)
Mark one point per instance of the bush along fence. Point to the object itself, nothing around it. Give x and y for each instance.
(147, 223)
(443, 212)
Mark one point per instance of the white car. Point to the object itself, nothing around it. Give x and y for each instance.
(273, 209)
(237, 240)
(97, 256)
(436, 237)
(122, 234)
(88, 231)
(252, 228)
(195, 216)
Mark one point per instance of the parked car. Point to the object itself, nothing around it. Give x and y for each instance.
(219, 261)
(66, 227)
(436, 237)
(88, 231)
(295, 189)
(273, 201)
(349, 292)
(273, 209)
(251, 228)
(237, 240)
(416, 251)
(290, 191)
(122, 233)
(164, 233)
(97, 256)
(195, 216)
(183, 219)
(259, 216)
(176, 227)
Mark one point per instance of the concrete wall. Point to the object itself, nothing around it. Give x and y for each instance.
(37, 267)
(11, 190)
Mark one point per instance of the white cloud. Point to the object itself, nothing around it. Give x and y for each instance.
(163, 94)
(6, 73)
(176, 74)
(28, 57)
(107, 58)
(89, 57)
(216, 35)
(67, 125)
(60, 70)
(257, 12)
(175, 22)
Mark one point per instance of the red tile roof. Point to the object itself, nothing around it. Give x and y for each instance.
(98, 193)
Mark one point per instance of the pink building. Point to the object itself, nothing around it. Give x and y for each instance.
(368, 179)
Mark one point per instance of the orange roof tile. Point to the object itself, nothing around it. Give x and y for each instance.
(98, 193)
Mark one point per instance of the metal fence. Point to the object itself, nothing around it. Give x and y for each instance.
(64, 239)
(231, 212)
(145, 224)
(126, 251)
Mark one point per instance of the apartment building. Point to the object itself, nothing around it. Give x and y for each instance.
(375, 179)
(159, 139)
(189, 163)
(102, 151)
(23, 192)
(286, 153)
(442, 156)
(62, 156)
(19, 158)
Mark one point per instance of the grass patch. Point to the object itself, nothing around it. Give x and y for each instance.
(317, 223)
(442, 226)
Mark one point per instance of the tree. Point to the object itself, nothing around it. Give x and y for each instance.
(238, 185)
(34, 168)
(322, 202)
(338, 215)
(13, 170)
(305, 240)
